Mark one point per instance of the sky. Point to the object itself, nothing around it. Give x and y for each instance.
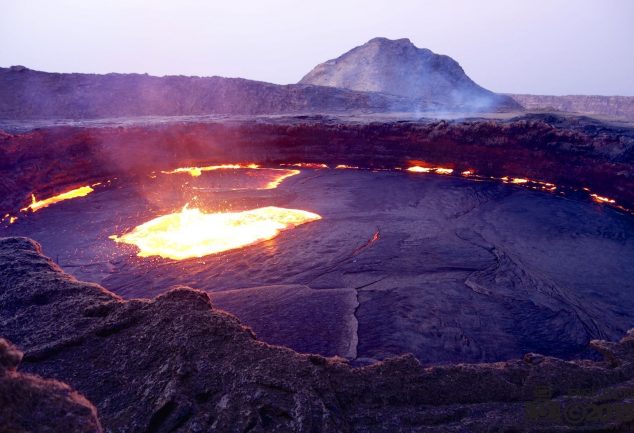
(551, 47)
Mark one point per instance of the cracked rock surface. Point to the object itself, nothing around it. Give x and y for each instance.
(176, 363)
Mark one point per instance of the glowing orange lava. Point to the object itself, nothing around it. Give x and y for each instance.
(305, 165)
(344, 166)
(441, 170)
(9, 218)
(418, 169)
(437, 170)
(193, 233)
(197, 171)
(275, 183)
(600, 199)
(40, 204)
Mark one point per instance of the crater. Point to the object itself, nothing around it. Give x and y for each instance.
(447, 264)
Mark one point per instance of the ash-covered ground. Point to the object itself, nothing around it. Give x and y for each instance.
(446, 268)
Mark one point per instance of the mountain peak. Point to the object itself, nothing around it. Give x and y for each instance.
(398, 67)
(380, 39)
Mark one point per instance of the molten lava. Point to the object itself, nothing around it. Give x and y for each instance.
(600, 199)
(437, 170)
(441, 170)
(40, 204)
(197, 171)
(193, 233)
(518, 180)
(284, 173)
(281, 178)
(314, 165)
(9, 218)
(419, 169)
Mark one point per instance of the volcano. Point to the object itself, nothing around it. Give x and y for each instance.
(215, 254)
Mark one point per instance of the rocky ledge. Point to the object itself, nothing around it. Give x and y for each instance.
(175, 363)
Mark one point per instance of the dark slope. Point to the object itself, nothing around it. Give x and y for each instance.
(28, 94)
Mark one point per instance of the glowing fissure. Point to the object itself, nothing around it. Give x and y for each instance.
(198, 171)
(314, 165)
(194, 233)
(74, 193)
(281, 178)
(437, 170)
(524, 182)
(601, 199)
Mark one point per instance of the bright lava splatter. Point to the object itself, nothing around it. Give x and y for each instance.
(74, 193)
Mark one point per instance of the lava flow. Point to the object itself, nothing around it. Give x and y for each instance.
(193, 233)
(40, 204)
(275, 183)
(284, 173)
(600, 199)
(437, 170)
(197, 171)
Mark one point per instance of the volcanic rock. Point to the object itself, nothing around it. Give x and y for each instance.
(29, 403)
(176, 363)
(610, 106)
(29, 94)
(398, 67)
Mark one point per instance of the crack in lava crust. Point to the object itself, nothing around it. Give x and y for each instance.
(193, 233)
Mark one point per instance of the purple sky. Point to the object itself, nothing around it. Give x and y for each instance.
(532, 46)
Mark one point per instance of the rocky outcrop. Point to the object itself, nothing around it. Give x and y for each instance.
(621, 107)
(30, 404)
(398, 67)
(175, 363)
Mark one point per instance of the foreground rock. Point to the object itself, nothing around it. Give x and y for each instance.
(31, 404)
(175, 363)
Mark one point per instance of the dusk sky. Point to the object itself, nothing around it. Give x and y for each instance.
(534, 46)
